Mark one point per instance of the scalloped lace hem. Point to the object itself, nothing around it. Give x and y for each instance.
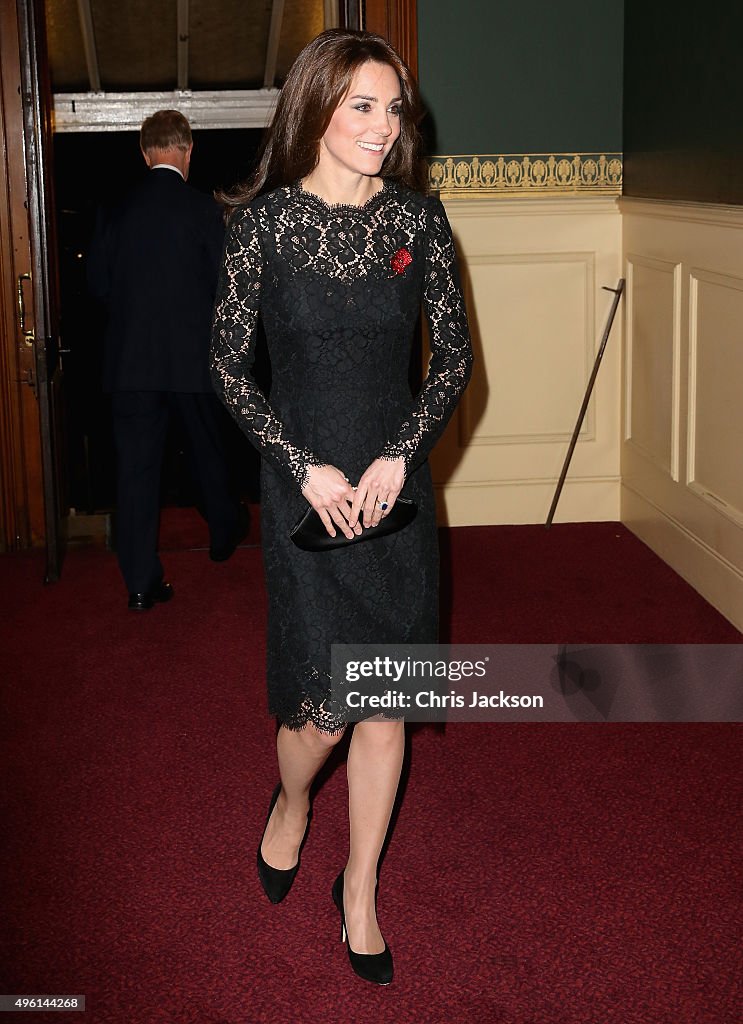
(323, 719)
(327, 716)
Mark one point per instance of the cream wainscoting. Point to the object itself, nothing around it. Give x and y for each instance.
(534, 270)
(682, 450)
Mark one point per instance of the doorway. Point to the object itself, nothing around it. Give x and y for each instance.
(40, 431)
(93, 170)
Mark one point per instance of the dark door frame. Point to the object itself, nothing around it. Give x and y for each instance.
(36, 95)
(396, 20)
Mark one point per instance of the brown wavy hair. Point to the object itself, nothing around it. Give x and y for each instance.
(317, 82)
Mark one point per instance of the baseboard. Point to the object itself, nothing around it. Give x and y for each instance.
(716, 579)
(519, 502)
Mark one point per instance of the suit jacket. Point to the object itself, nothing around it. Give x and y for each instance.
(154, 262)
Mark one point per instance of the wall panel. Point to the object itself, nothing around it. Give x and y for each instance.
(716, 391)
(533, 271)
(682, 99)
(685, 311)
(651, 382)
(542, 303)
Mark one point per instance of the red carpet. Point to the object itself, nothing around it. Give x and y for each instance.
(546, 874)
(183, 529)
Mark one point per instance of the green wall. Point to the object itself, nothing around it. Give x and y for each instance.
(536, 77)
(683, 97)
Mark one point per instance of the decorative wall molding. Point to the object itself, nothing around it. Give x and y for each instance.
(526, 174)
(707, 214)
(522, 206)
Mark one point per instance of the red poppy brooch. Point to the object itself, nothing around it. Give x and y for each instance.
(400, 260)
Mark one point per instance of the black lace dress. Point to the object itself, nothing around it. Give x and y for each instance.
(339, 289)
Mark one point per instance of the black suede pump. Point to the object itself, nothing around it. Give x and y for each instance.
(374, 967)
(277, 882)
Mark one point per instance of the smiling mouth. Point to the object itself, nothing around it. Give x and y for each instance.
(371, 147)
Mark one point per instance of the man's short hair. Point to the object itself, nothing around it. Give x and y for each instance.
(166, 129)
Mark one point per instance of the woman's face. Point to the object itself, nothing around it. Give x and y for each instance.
(366, 124)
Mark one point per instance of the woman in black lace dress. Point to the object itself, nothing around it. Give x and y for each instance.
(335, 247)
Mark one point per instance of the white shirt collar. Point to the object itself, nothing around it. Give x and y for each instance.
(170, 167)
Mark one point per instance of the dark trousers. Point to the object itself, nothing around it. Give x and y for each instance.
(140, 422)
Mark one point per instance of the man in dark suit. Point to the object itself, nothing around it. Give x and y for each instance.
(154, 263)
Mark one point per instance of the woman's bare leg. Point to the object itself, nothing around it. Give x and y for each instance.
(374, 764)
(301, 755)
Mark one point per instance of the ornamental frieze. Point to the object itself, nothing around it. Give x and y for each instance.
(522, 174)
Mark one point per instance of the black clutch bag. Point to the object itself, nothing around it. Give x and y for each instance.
(310, 533)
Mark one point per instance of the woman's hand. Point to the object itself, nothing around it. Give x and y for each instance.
(382, 482)
(330, 494)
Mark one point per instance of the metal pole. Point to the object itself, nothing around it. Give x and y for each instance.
(587, 397)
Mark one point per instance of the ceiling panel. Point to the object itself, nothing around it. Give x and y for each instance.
(302, 22)
(66, 54)
(136, 43)
(227, 43)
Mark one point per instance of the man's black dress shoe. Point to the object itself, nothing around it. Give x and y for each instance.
(225, 551)
(160, 593)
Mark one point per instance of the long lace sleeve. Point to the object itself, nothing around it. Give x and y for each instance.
(451, 350)
(236, 313)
